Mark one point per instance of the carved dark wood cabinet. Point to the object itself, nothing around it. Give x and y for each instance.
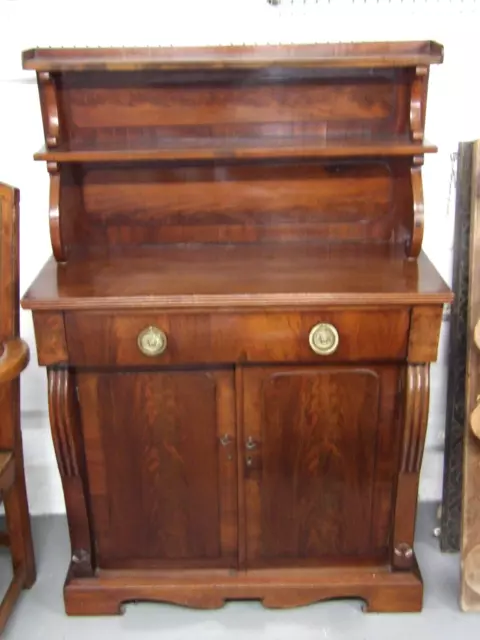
(237, 320)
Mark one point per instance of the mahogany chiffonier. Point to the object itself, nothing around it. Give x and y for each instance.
(238, 320)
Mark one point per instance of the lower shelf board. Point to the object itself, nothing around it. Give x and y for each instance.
(381, 588)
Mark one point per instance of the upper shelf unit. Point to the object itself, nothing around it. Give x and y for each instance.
(348, 54)
(234, 148)
(221, 103)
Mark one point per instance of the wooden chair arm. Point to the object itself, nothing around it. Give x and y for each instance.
(14, 359)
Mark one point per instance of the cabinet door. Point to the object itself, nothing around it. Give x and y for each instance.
(319, 458)
(161, 464)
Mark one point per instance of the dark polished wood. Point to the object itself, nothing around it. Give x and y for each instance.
(337, 129)
(223, 277)
(99, 339)
(238, 320)
(184, 492)
(50, 338)
(312, 440)
(235, 148)
(349, 55)
(14, 357)
(415, 396)
(381, 589)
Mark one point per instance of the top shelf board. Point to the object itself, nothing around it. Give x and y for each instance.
(366, 54)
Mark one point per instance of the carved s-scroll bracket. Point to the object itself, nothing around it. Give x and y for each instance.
(414, 244)
(415, 416)
(48, 101)
(68, 444)
(418, 97)
(54, 212)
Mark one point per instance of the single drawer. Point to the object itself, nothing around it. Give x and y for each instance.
(150, 338)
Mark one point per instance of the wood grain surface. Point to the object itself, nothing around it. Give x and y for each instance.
(470, 548)
(226, 201)
(223, 276)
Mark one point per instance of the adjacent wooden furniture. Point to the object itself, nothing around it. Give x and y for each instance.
(238, 321)
(14, 356)
(451, 512)
(470, 596)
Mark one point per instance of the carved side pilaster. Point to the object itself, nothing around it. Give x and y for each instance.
(48, 102)
(54, 212)
(67, 440)
(416, 396)
(416, 231)
(418, 97)
(416, 415)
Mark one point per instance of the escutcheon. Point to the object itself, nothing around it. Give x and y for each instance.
(323, 339)
(152, 341)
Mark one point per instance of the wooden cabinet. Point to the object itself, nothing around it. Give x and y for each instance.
(161, 467)
(238, 320)
(320, 447)
(161, 449)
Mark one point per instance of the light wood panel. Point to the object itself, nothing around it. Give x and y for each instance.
(470, 595)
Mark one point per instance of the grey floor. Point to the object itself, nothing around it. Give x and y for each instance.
(40, 615)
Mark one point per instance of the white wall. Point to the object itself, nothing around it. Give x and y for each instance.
(453, 115)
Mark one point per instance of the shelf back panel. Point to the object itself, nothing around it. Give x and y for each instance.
(132, 110)
(151, 203)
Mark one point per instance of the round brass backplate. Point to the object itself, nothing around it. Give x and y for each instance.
(323, 339)
(152, 341)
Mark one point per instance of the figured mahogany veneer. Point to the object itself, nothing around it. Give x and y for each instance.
(238, 321)
(198, 338)
(251, 276)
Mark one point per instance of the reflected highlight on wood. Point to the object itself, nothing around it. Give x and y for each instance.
(211, 207)
(418, 101)
(54, 212)
(48, 101)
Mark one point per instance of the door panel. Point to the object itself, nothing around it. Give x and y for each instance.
(320, 449)
(160, 450)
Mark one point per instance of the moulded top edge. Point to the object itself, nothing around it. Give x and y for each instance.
(347, 54)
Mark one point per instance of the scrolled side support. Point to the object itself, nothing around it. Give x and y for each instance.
(414, 244)
(67, 441)
(418, 97)
(54, 213)
(48, 102)
(416, 401)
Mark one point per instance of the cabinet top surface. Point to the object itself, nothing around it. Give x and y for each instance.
(229, 276)
(349, 54)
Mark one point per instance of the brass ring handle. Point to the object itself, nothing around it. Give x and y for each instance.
(152, 341)
(323, 339)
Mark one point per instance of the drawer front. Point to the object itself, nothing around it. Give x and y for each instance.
(101, 339)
